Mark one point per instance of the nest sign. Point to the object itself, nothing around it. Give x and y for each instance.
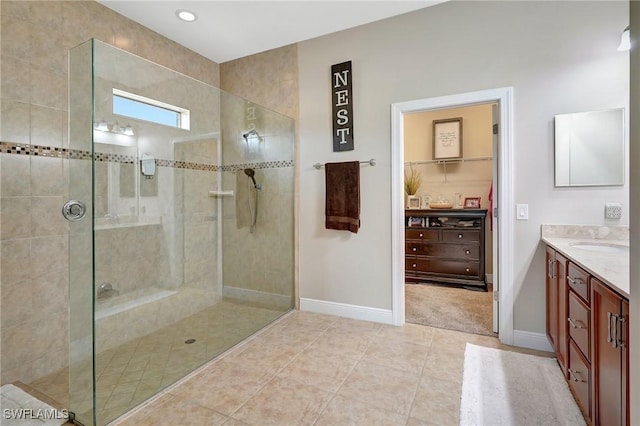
(342, 107)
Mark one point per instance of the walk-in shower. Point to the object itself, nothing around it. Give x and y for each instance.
(164, 273)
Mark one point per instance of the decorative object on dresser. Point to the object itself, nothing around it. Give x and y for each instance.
(449, 249)
(411, 185)
(472, 203)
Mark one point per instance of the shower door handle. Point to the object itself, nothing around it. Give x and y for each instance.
(74, 210)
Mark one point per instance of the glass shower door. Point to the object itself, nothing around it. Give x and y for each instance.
(80, 168)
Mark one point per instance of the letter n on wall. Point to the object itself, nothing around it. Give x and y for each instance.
(341, 78)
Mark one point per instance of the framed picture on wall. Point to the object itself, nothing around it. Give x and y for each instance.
(447, 138)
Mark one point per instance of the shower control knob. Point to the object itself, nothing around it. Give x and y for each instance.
(74, 210)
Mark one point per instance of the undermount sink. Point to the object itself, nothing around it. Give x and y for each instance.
(602, 247)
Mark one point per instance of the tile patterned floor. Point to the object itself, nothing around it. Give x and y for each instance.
(129, 374)
(323, 370)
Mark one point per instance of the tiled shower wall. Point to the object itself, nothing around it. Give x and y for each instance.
(35, 38)
(264, 260)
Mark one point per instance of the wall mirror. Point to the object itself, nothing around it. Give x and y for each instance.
(589, 148)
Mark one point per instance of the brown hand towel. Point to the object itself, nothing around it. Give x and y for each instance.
(342, 206)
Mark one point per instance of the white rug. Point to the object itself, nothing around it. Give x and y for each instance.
(21, 409)
(510, 388)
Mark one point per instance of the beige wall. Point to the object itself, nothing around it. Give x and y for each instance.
(469, 178)
(36, 37)
(554, 55)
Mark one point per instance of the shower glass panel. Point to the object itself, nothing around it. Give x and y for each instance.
(176, 276)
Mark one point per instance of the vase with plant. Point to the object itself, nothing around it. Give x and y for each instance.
(412, 179)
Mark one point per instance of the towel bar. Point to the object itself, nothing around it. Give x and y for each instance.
(371, 162)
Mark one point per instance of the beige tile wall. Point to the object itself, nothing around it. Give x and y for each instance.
(35, 38)
(264, 261)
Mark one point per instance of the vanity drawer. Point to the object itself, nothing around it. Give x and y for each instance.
(421, 234)
(579, 373)
(578, 281)
(457, 235)
(579, 324)
(454, 251)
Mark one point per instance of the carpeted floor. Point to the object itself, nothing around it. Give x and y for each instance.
(450, 308)
(497, 390)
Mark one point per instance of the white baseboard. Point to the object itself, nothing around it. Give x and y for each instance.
(365, 313)
(527, 339)
(275, 301)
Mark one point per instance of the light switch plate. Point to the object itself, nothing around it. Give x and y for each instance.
(522, 211)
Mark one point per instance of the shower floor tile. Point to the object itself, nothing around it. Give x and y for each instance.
(131, 373)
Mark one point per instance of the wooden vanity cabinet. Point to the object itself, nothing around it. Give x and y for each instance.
(556, 292)
(588, 327)
(610, 388)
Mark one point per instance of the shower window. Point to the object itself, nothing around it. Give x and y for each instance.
(142, 108)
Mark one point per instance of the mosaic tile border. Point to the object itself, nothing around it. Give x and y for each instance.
(76, 154)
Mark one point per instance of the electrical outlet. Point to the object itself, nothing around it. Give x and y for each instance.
(612, 211)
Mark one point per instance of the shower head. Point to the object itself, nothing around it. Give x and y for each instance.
(251, 132)
(251, 173)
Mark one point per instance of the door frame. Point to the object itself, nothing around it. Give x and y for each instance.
(505, 197)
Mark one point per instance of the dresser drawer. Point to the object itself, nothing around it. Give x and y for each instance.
(456, 235)
(578, 281)
(579, 373)
(421, 234)
(441, 266)
(455, 251)
(579, 324)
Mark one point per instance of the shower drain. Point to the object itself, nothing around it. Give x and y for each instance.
(190, 341)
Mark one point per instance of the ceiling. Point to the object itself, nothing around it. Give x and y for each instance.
(227, 30)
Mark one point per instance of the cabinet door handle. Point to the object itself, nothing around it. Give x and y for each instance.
(550, 268)
(574, 376)
(609, 336)
(618, 339)
(575, 323)
(467, 251)
(460, 235)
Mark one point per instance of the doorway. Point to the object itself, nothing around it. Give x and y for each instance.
(503, 217)
(448, 280)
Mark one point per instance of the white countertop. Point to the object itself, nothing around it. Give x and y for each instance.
(610, 268)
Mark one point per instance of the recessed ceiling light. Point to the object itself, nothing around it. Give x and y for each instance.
(186, 15)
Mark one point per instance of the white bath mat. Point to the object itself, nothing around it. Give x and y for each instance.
(21, 409)
(509, 388)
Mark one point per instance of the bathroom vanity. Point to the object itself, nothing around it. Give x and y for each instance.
(587, 316)
(445, 246)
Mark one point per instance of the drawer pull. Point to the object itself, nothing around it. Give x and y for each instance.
(414, 249)
(414, 265)
(575, 323)
(421, 235)
(575, 376)
(467, 251)
(576, 281)
(467, 269)
(460, 235)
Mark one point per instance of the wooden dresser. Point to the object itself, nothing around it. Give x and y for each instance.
(445, 246)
